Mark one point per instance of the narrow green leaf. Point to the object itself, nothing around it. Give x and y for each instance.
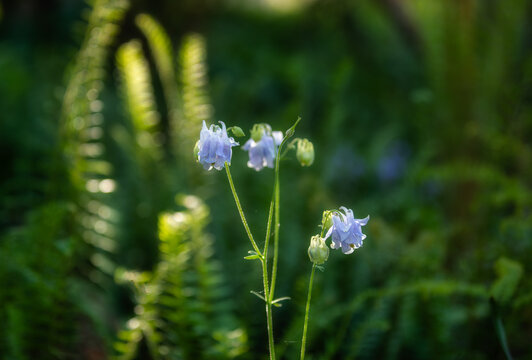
(277, 302)
(258, 295)
(252, 257)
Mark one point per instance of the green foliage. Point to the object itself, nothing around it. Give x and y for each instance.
(182, 308)
(71, 234)
(509, 274)
(138, 95)
(37, 260)
(193, 80)
(162, 50)
(420, 114)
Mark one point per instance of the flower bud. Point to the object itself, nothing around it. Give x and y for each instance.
(237, 131)
(305, 152)
(318, 252)
(259, 130)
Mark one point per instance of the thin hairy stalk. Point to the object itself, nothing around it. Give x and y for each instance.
(277, 195)
(263, 259)
(241, 212)
(268, 228)
(307, 310)
(269, 319)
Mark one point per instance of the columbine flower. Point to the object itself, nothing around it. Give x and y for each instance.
(262, 146)
(318, 252)
(346, 231)
(214, 147)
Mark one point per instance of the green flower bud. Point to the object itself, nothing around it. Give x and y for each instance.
(305, 152)
(318, 252)
(259, 130)
(237, 131)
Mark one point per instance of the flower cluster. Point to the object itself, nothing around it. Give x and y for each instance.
(214, 147)
(346, 232)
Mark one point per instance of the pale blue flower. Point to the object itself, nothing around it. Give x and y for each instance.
(346, 231)
(262, 151)
(214, 147)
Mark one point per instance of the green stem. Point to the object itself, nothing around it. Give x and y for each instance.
(277, 194)
(276, 228)
(502, 337)
(242, 216)
(269, 319)
(307, 310)
(263, 259)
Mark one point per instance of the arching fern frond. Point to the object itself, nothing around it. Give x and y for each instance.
(82, 135)
(196, 103)
(162, 51)
(138, 95)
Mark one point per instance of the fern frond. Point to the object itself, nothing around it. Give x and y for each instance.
(83, 132)
(140, 101)
(183, 307)
(162, 50)
(196, 103)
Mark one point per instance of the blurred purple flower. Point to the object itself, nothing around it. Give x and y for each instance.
(346, 231)
(392, 165)
(214, 147)
(262, 152)
(345, 166)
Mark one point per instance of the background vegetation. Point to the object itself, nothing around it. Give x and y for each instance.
(114, 243)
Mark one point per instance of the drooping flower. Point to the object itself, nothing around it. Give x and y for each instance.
(214, 147)
(262, 146)
(346, 231)
(318, 252)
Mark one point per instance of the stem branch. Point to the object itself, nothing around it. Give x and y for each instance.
(242, 216)
(307, 310)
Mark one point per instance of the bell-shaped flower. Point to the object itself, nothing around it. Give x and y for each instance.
(346, 231)
(262, 146)
(214, 147)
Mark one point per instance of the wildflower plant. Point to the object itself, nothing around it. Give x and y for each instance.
(346, 232)
(265, 149)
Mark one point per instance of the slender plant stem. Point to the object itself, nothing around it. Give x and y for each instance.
(268, 227)
(275, 229)
(502, 337)
(242, 216)
(267, 297)
(263, 259)
(276, 196)
(307, 310)
(269, 319)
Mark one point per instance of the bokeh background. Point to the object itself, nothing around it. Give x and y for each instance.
(114, 243)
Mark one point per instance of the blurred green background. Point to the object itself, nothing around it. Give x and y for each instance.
(114, 243)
